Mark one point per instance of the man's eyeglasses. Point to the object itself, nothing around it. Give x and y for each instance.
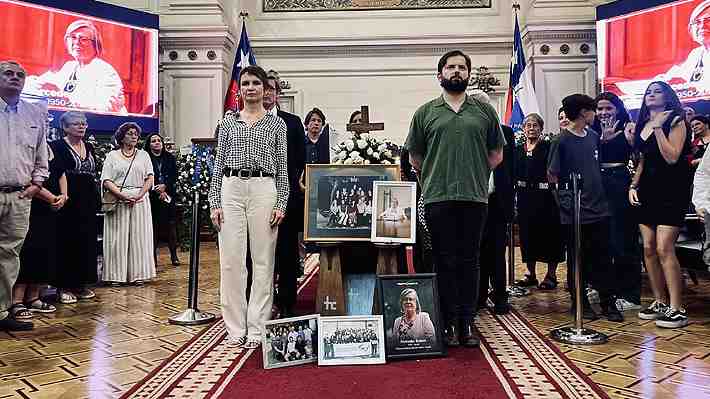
(83, 40)
(79, 124)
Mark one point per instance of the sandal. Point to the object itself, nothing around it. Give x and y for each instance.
(20, 312)
(252, 344)
(66, 297)
(528, 281)
(39, 306)
(236, 342)
(548, 284)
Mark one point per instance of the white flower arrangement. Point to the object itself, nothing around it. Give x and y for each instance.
(365, 149)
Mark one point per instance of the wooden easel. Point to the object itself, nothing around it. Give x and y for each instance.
(331, 294)
(386, 265)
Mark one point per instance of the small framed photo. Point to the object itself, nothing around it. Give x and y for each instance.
(395, 212)
(410, 308)
(291, 341)
(350, 340)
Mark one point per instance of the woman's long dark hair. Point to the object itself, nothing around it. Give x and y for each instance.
(146, 146)
(672, 103)
(622, 115)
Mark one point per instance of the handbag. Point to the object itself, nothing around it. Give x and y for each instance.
(109, 199)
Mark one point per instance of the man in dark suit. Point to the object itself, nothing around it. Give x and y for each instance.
(500, 213)
(287, 255)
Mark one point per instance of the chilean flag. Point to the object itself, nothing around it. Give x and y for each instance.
(243, 58)
(521, 98)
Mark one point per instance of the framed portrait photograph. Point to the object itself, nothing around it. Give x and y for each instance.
(350, 340)
(410, 310)
(339, 200)
(395, 211)
(291, 341)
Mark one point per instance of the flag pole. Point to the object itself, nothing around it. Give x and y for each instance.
(513, 290)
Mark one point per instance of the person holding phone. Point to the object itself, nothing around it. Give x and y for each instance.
(249, 192)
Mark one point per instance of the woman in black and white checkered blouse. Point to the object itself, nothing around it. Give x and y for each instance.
(249, 192)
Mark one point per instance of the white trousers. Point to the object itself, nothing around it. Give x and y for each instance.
(247, 206)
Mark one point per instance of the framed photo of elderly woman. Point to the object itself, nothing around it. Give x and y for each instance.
(410, 310)
(395, 209)
(339, 198)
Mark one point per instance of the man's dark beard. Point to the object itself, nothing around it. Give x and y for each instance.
(454, 85)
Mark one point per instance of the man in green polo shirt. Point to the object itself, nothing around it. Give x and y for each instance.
(454, 142)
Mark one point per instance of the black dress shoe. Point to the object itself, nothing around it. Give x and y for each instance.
(469, 337)
(452, 336)
(610, 310)
(587, 313)
(501, 308)
(10, 324)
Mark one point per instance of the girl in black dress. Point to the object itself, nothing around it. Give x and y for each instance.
(538, 216)
(38, 257)
(76, 245)
(661, 192)
(162, 195)
(616, 144)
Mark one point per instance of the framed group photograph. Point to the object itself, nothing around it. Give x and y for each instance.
(350, 340)
(395, 212)
(291, 341)
(339, 200)
(410, 310)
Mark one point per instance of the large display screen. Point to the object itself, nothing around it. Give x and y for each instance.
(666, 40)
(77, 61)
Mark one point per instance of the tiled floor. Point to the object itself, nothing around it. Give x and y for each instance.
(101, 347)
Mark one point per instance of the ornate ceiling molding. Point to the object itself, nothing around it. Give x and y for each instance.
(344, 40)
(384, 50)
(197, 37)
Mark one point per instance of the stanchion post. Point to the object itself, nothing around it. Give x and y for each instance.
(192, 315)
(513, 290)
(577, 335)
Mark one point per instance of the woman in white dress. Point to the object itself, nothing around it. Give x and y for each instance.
(128, 230)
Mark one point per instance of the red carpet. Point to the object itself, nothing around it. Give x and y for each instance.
(514, 361)
(464, 373)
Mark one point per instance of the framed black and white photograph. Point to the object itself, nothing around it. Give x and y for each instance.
(291, 341)
(395, 212)
(339, 200)
(350, 340)
(411, 316)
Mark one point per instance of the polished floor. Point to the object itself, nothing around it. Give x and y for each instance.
(99, 348)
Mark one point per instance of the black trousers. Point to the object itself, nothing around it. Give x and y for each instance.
(597, 268)
(456, 228)
(624, 248)
(493, 268)
(287, 264)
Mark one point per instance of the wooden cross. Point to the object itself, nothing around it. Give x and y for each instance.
(365, 126)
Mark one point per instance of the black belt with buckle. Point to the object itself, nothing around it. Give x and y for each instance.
(10, 189)
(246, 173)
(538, 186)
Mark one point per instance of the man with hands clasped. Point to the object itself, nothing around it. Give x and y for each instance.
(249, 192)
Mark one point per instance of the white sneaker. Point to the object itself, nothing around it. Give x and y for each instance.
(593, 296)
(624, 305)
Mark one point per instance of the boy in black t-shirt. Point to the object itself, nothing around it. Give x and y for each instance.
(576, 150)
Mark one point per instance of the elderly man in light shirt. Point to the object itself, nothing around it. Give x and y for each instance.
(23, 169)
